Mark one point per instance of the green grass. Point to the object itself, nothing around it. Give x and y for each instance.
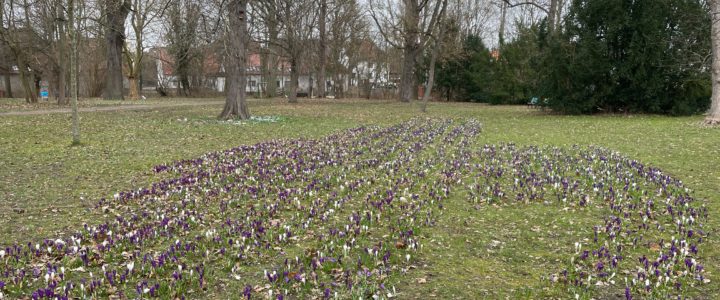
(48, 187)
(17, 104)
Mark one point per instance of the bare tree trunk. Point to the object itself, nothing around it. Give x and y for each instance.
(133, 88)
(116, 12)
(294, 78)
(552, 15)
(73, 73)
(271, 58)
(408, 79)
(558, 16)
(272, 78)
(338, 86)
(62, 64)
(503, 15)
(713, 118)
(235, 104)
(323, 49)
(8, 86)
(431, 75)
(30, 96)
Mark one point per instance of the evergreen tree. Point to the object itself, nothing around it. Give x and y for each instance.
(629, 56)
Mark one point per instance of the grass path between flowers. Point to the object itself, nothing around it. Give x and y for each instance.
(47, 188)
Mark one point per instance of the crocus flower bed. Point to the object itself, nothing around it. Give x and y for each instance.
(336, 216)
(648, 244)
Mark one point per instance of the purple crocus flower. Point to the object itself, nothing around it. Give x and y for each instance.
(247, 292)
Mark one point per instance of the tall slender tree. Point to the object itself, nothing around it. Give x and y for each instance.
(322, 59)
(438, 39)
(143, 14)
(713, 118)
(72, 32)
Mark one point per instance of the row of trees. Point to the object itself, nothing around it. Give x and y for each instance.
(589, 56)
(579, 56)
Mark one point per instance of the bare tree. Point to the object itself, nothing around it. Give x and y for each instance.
(5, 60)
(553, 10)
(235, 104)
(268, 36)
(72, 32)
(347, 37)
(183, 18)
(713, 118)
(142, 14)
(438, 40)
(19, 42)
(503, 21)
(116, 11)
(297, 20)
(322, 59)
(409, 31)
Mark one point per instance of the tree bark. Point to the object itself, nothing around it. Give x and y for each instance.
(321, 81)
(713, 118)
(235, 104)
(431, 75)
(8, 85)
(30, 96)
(408, 80)
(552, 15)
(294, 78)
(59, 86)
(339, 86)
(272, 78)
(116, 12)
(73, 73)
(503, 16)
(133, 88)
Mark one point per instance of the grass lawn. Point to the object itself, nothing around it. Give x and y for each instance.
(489, 251)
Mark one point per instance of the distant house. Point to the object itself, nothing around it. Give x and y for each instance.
(213, 75)
(10, 75)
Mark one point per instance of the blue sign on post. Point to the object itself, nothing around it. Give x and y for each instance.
(44, 93)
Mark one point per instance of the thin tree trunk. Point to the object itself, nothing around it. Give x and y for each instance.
(558, 15)
(323, 49)
(552, 15)
(73, 73)
(116, 11)
(8, 86)
(272, 60)
(503, 15)
(431, 75)
(713, 118)
(272, 78)
(62, 88)
(62, 45)
(294, 77)
(235, 104)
